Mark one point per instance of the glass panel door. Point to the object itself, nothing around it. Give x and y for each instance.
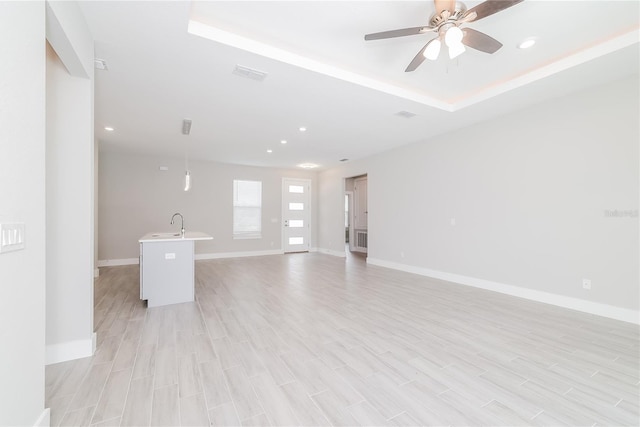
(295, 214)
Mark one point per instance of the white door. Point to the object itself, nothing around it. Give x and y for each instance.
(360, 216)
(361, 210)
(296, 214)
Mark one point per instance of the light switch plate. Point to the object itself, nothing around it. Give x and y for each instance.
(12, 237)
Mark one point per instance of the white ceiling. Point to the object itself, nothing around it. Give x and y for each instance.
(324, 76)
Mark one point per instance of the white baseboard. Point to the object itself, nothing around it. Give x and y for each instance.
(341, 254)
(44, 420)
(56, 353)
(238, 254)
(604, 310)
(116, 262)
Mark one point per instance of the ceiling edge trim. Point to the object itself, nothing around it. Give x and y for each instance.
(250, 45)
(620, 42)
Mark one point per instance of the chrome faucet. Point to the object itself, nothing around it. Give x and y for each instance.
(182, 218)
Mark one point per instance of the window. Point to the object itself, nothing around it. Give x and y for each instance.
(247, 209)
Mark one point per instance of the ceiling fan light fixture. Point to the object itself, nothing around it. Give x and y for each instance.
(453, 36)
(456, 50)
(446, 21)
(453, 39)
(433, 49)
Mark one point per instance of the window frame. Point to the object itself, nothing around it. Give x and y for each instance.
(243, 234)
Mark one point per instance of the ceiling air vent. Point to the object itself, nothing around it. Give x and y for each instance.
(100, 64)
(249, 73)
(405, 114)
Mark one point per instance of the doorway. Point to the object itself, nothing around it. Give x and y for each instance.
(357, 213)
(348, 208)
(296, 216)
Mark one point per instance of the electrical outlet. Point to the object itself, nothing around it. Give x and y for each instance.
(12, 237)
(453, 222)
(586, 284)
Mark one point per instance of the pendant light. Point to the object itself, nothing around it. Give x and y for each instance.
(186, 130)
(187, 174)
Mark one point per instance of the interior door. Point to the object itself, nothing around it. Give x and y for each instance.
(361, 216)
(361, 211)
(296, 214)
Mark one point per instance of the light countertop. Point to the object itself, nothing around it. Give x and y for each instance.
(173, 236)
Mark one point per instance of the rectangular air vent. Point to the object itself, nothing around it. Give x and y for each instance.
(405, 114)
(249, 73)
(100, 64)
(362, 239)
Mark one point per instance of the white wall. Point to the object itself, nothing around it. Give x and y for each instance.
(22, 199)
(528, 192)
(137, 198)
(96, 218)
(69, 184)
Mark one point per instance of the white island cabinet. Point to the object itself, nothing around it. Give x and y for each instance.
(167, 267)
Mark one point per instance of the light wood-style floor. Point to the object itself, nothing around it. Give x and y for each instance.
(311, 339)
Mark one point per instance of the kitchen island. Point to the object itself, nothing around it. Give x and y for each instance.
(167, 267)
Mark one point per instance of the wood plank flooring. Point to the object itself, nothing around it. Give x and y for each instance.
(311, 339)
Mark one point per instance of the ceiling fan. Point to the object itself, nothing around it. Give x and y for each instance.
(446, 22)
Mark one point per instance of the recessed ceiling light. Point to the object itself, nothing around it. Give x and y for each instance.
(302, 129)
(284, 141)
(527, 43)
(108, 128)
(269, 151)
(308, 165)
